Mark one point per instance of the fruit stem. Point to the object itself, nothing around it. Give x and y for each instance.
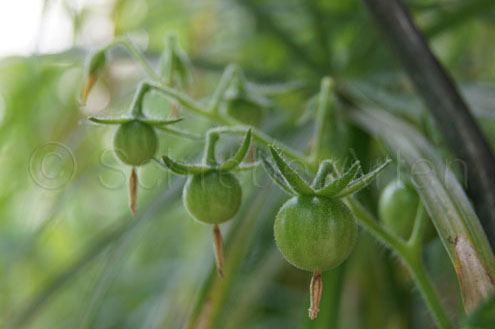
(209, 156)
(325, 100)
(218, 243)
(315, 290)
(133, 190)
(416, 238)
(137, 102)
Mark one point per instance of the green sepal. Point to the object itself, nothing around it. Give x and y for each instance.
(362, 181)
(110, 121)
(295, 181)
(179, 132)
(183, 169)
(237, 158)
(277, 177)
(158, 122)
(326, 167)
(338, 184)
(247, 167)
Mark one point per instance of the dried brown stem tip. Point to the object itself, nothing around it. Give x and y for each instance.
(315, 290)
(88, 85)
(133, 191)
(218, 243)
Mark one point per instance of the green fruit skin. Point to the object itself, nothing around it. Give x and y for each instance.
(315, 233)
(245, 111)
(135, 143)
(397, 207)
(212, 198)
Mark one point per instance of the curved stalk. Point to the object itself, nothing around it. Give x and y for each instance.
(411, 255)
(425, 286)
(134, 52)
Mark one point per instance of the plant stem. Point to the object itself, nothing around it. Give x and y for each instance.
(188, 103)
(137, 102)
(265, 140)
(411, 256)
(425, 286)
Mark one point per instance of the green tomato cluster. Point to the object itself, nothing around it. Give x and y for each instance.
(314, 230)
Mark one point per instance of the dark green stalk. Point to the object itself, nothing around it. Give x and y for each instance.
(445, 103)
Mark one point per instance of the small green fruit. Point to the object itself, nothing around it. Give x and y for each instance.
(213, 197)
(398, 206)
(315, 233)
(245, 110)
(135, 143)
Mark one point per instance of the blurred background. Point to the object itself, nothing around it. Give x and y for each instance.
(71, 256)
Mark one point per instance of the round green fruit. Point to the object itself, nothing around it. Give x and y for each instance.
(245, 110)
(398, 206)
(135, 143)
(315, 233)
(213, 197)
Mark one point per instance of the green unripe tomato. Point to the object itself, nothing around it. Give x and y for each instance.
(244, 110)
(135, 143)
(315, 233)
(398, 206)
(212, 198)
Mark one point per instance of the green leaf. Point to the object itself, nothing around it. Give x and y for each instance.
(183, 169)
(362, 181)
(337, 185)
(295, 181)
(235, 160)
(110, 121)
(277, 177)
(158, 122)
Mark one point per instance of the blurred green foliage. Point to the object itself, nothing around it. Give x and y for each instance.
(72, 257)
